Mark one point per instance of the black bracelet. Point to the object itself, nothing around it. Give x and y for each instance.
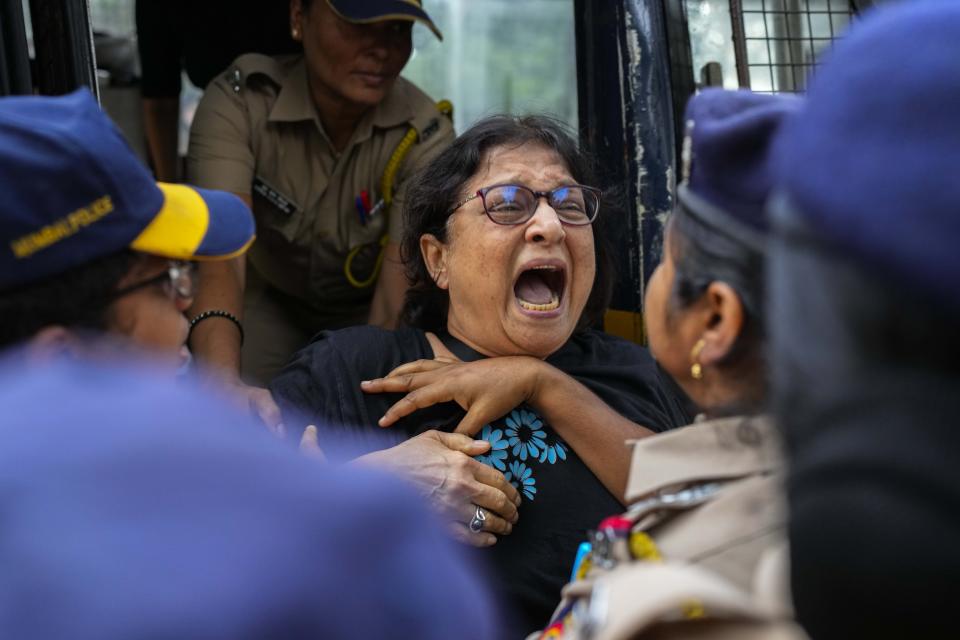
(218, 313)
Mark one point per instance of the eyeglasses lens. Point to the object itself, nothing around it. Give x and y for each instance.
(510, 204)
(574, 205)
(513, 204)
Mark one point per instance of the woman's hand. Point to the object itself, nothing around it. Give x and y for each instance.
(262, 405)
(441, 465)
(310, 444)
(486, 389)
(256, 401)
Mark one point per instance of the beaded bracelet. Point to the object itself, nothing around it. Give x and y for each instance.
(218, 313)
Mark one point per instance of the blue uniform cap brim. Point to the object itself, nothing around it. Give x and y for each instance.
(197, 224)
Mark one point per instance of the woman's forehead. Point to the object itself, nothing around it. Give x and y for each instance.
(522, 163)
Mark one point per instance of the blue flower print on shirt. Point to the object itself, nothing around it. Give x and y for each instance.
(525, 433)
(553, 449)
(521, 477)
(498, 448)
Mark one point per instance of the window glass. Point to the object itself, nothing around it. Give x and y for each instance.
(498, 56)
(711, 43)
(114, 17)
(783, 39)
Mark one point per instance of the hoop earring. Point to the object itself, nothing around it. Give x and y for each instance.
(696, 369)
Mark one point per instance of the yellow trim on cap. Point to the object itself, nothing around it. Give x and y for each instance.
(179, 227)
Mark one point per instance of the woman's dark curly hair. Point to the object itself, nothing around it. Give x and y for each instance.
(435, 190)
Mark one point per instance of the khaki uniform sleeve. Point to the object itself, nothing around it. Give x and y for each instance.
(420, 155)
(220, 154)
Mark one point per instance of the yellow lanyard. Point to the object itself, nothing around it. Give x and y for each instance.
(386, 189)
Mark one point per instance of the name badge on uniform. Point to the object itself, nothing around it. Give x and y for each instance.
(273, 196)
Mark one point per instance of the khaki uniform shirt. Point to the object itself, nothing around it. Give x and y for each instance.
(257, 133)
(701, 551)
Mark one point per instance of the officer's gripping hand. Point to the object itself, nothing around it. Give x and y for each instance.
(486, 389)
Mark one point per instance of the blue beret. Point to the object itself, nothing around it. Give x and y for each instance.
(726, 157)
(872, 163)
(132, 507)
(73, 191)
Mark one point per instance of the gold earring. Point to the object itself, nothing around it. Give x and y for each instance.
(696, 369)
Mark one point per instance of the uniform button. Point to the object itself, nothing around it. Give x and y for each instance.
(749, 435)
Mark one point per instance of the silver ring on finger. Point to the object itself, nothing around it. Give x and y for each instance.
(477, 521)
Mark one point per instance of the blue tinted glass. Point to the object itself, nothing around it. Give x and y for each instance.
(509, 194)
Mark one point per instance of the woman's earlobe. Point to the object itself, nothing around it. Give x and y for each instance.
(696, 369)
(296, 12)
(434, 257)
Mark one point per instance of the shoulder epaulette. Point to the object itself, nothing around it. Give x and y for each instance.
(429, 122)
(248, 67)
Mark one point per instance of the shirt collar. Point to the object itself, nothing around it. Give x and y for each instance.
(294, 104)
(727, 448)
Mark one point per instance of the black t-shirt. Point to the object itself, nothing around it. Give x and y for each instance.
(562, 499)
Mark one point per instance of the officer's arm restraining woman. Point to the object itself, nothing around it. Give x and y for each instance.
(319, 146)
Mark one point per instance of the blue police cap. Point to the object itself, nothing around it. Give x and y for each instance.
(131, 507)
(74, 191)
(364, 11)
(727, 173)
(871, 163)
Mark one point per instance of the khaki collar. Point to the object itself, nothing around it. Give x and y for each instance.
(713, 450)
(294, 104)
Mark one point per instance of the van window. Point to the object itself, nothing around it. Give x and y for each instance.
(499, 56)
(782, 40)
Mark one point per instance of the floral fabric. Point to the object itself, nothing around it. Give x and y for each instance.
(524, 442)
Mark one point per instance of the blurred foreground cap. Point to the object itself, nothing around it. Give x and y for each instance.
(727, 174)
(872, 163)
(132, 507)
(74, 191)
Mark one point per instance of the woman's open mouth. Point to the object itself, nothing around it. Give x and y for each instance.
(540, 288)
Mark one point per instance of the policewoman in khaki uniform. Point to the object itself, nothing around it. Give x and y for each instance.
(701, 551)
(321, 146)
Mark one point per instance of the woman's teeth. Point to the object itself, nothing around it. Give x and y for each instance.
(550, 306)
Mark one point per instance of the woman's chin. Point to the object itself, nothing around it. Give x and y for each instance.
(540, 333)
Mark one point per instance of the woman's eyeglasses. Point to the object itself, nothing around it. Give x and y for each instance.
(509, 204)
(177, 281)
